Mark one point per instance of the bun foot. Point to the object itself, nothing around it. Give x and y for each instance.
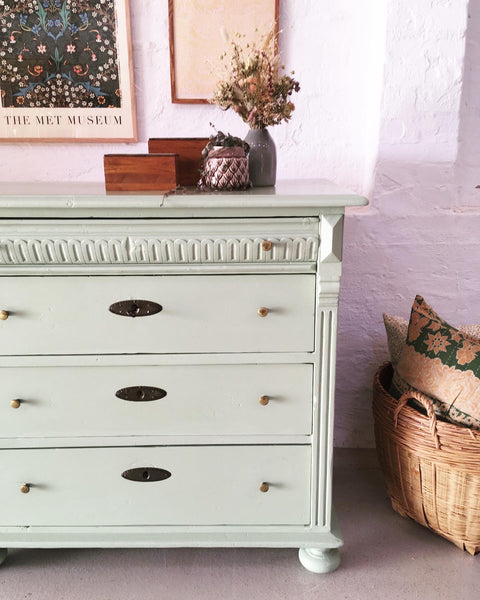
(318, 560)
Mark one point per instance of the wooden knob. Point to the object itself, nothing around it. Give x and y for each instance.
(3, 315)
(266, 245)
(262, 311)
(264, 400)
(15, 403)
(25, 488)
(264, 487)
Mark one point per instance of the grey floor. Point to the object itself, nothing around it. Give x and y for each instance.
(384, 556)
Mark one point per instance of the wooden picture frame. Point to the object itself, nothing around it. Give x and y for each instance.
(66, 71)
(196, 42)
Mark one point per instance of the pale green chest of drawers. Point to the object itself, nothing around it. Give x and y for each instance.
(167, 367)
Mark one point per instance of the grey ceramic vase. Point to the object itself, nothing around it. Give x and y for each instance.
(262, 159)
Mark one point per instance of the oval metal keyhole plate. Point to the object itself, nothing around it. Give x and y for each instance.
(141, 393)
(135, 308)
(146, 474)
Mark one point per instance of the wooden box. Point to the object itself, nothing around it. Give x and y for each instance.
(189, 150)
(140, 172)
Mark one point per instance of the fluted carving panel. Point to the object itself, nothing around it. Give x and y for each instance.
(141, 250)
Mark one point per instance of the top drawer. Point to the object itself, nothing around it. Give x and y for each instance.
(158, 242)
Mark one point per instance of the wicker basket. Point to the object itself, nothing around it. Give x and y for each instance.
(431, 468)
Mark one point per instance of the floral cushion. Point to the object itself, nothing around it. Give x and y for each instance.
(397, 328)
(443, 363)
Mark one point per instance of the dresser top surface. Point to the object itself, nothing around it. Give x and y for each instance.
(81, 199)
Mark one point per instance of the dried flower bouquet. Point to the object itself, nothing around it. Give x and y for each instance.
(253, 86)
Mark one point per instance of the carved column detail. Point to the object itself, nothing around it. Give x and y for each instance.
(325, 387)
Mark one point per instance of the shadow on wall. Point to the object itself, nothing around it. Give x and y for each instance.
(420, 235)
(468, 161)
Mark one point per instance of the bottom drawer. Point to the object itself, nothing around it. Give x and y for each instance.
(208, 485)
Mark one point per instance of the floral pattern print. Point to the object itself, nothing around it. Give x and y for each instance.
(58, 53)
(396, 329)
(466, 353)
(443, 363)
(437, 343)
(434, 337)
(417, 323)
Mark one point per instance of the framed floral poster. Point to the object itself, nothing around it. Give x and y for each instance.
(198, 35)
(66, 71)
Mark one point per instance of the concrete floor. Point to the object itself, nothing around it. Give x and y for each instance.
(384, 557)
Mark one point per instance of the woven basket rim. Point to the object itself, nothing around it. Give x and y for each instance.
(457, 445)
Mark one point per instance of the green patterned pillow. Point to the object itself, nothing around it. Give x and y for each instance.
(443, 363)
(396, 329)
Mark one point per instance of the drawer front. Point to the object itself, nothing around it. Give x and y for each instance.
(214, 313)
(64, 401)
(159, 242)
(208, 486)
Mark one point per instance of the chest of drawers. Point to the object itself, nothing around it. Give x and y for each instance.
(168, 366)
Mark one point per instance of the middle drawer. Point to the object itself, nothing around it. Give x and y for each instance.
(64, 401)
(207, 313)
